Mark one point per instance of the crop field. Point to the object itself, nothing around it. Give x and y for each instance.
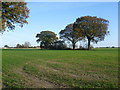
(34, 68)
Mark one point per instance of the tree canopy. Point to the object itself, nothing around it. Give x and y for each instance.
(14, 13)
(93, 28)
(69, 34)
(46, 38)
(27, 44)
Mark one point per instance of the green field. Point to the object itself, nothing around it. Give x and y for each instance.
(30, 68)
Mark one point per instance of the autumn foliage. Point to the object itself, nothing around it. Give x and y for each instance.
(71, 35)
(93, 28)
(46, 38)
(14, 13)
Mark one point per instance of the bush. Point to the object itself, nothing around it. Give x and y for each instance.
(58, 45)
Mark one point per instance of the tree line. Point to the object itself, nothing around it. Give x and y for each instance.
(24, 45)
(90, 28)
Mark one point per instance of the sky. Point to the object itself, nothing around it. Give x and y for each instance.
(54, 16)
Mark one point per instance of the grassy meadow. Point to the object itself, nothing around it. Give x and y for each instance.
(33, 68)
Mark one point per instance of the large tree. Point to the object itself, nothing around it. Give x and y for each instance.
(93, 28)
(14, 13)
(69, 34)
(46, 38)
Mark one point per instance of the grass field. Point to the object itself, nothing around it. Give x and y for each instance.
(60, 68)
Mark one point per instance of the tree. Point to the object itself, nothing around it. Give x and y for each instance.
(14, 13)
(59, 45)
(26, 44)
(46, 38)
(6, 46)
(93, 28)
(18, 46)
(0, 16)
(69, 34)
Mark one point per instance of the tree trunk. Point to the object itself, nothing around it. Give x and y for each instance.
(73, 44)
(89, 43)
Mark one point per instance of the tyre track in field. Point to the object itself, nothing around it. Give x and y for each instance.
(35, 82)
